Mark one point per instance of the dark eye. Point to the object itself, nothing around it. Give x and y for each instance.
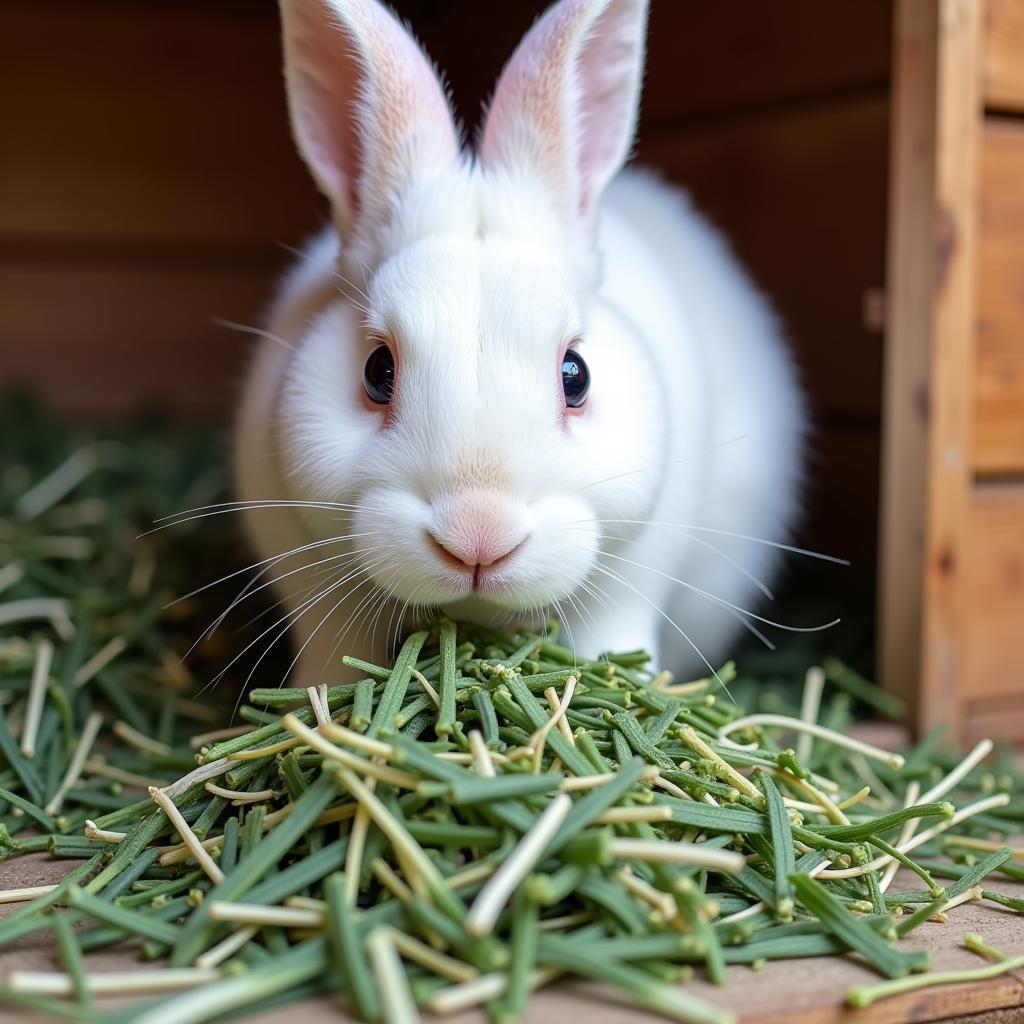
(379, 375)
(575, 379)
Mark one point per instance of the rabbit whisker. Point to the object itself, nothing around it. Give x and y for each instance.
(606, 570)
(715, 599)
(257, 332)
(687, 528)
(671, 462)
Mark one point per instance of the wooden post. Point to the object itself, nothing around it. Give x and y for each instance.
(926, 474)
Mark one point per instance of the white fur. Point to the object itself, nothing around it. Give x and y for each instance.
(480, 272)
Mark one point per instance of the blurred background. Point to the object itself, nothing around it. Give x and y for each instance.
(149, 188)
(148, 185)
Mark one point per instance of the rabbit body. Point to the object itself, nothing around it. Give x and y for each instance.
(477, 489)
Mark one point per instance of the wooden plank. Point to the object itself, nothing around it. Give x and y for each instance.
(1004, 54)
(928, 399)
(163, 120)
(987, 718)
(712, 58)
(815, 249)
(704, 59)
(998, 443)
(958, 109)
(105, 341)
(905, 377)
(167, 119)
(993, 581)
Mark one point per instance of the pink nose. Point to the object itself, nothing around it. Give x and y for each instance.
(477, 552)
(475, 529)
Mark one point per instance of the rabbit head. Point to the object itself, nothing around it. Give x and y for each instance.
(468, 394)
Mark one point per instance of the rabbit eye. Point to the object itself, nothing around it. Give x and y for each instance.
(575, 379)
(379, 375)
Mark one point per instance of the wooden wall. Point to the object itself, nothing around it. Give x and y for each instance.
(148, 185)
(952, 573)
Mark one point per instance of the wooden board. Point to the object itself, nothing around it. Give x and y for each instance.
(998, 441)
(929, 407)
(784, 992)
(910, 277)
(950, 395)
(140, 334)
(168, 120)
(169, 126)
(1004, 54)
(705, 60)
(774, 177)
(801, 195)
(993, 579)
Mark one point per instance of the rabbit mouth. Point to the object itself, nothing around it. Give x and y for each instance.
(481, 569)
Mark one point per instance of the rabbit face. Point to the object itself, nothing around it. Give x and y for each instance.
(477, 481)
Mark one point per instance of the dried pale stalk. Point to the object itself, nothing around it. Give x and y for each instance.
(978, 807)
(84, 746)
(197, 776)
(428, 689)
(100, 660)
(54, 609)
(837, 738)
(45, 493)
(102, 835)
(481, 990)
(943, 786)
(36, 696)
(392, 983)
(551, 696)
(311, 738)
(971, 843)
(216, 735)
(140, 740)
(814, 684)
(47, 983)
(624, 815)
(693, 739)
(350, 738)
(656, 850)
(24, 895)
(239, 796)
(481, 755)
(434, 960)
(909, 828)
(202, 858)
(539, 738)
(98, 766)
(491, 899)
(253, 913)
(226, 948)
(320, 711)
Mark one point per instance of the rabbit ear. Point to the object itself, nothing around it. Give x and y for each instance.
(367, 110)
(566, 103)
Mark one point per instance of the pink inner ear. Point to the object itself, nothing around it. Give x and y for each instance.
(368, 111)
(323, 80)
(566, 102)
(609, 68)
(530, 118)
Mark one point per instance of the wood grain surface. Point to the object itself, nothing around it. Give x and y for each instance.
(994, 590)
(783, 992)
(1004, 43)
(906, 398)
(998, 441)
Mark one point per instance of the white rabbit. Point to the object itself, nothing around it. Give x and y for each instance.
(418, 434)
